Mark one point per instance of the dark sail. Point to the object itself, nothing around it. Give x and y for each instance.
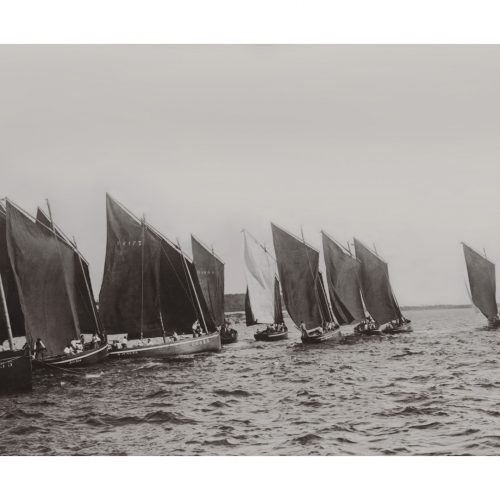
(298, 271)
(181, 293)
(10, 288)
(343, 278)
(129, 300)
(84, 294)
(210, 270)
(482, 281)
(44, 270)
(278, 308)
(249, 317)
(377, 291)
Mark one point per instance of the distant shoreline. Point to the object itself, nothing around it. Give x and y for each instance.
(235, 302)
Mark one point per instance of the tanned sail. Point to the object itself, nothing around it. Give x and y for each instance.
(88, 318)
(149, 286)
(481, 273)
(377, 292)
(44, 269)
(263, 298)
(129, 300)
(210, 271)
(344, 283)
(298, 265)
(13, 302)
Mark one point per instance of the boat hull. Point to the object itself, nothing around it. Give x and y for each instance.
(398, 329)
(80, 360)
(330, 336)
(15, 372)
(375, 330)
(270, 337)
(206, 343)
(229, 337)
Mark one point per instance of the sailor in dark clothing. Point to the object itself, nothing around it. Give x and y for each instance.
(39, 349)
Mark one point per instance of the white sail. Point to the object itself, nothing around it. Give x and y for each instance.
(260, 271)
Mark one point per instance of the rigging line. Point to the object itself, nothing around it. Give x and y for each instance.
(87, 285)
(313, 277)
(6, 315)
(142, 272)
(195, 293)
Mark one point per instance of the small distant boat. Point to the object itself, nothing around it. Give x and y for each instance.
(210, 271)
(379, 298)
(303, 288)
(344, 285)
(15, 364)
(54, 290)
(263, 297)
(150, 292)
(481, 273)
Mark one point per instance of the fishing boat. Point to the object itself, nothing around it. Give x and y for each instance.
(210, 271)
(303, 288)
(15, 364)
(482, 282)
(263, 297)
(55, 293)
(344, 287)
(150, 294)
(379, 298)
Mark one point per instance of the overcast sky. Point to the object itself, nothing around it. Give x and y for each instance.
(396, 145)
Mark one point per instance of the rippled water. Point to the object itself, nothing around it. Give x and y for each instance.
(436, 391)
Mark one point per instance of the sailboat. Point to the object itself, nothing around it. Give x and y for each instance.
(481, 273)
(15, 364)
(303, 288)
(150, 292)
(344, 285)
(377, 291)
(210, 271)
(54, 290)
(263, 297)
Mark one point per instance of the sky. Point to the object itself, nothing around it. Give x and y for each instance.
(398, 146)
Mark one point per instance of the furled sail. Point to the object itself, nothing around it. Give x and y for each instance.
(262, 301)
(482, 281)
(87, 315)
(298, 265)
(210, 270)
(129, 300)
(44, 271)
(343, 278)
(376, 287)
(14, 310)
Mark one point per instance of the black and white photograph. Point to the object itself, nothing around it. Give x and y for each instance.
(251, 250)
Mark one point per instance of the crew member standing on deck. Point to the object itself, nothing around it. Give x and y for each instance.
(39, 349)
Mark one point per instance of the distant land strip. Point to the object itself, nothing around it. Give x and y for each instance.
(235, 302)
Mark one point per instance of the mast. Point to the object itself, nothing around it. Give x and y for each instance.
(143, 223)
(194, 288)
(6, 315)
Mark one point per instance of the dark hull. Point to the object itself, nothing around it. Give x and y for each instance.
(229, 337)
(206, 343)
(80, 360)
(330, 336)
(15, 372)
(399, 329)
(493, 324)
(270, 337)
